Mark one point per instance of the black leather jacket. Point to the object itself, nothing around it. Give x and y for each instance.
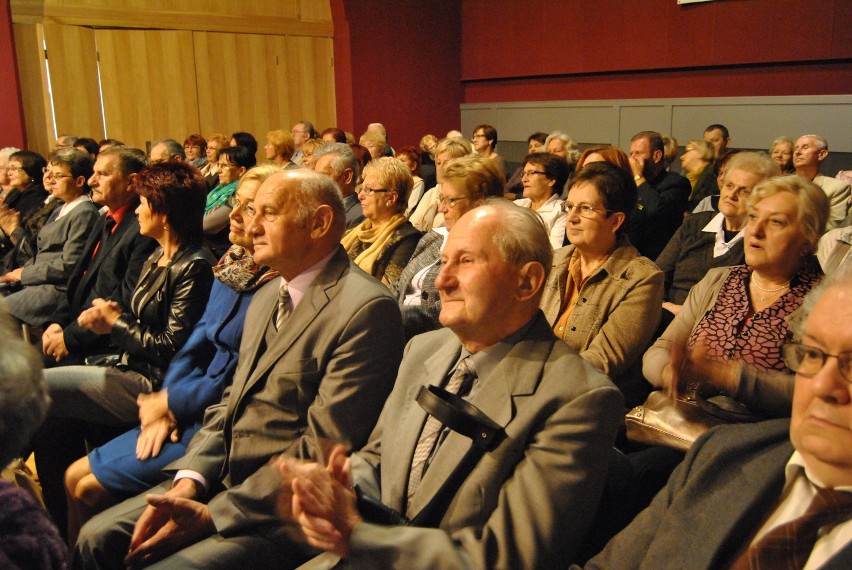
(163, 311)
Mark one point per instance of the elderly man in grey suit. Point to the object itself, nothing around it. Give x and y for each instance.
(771, 495)
(524, 500)
(318, 357)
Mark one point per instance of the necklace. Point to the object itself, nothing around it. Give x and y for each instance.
(770, 291)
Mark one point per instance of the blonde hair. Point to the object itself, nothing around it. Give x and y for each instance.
(393, 175)
(477, 177)
(283, 143)
(812, 203)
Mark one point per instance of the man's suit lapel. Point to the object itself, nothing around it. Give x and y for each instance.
(514, 378)
(398, 462)
(312, 304)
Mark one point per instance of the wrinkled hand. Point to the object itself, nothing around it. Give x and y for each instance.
(10, 219)
(100, 317)
(322, 500)
(170, 523)
(53, 342)
(697, 368)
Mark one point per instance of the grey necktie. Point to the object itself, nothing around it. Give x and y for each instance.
(283, 306)
(460, 383)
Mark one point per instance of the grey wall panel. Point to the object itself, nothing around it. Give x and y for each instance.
(753, 121)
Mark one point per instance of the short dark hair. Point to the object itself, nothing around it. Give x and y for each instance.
(617, 191)
(178, 191)
(91, 145)
(490, 134)
(539, 136)
(717, 126)
(130, 159)
(79, 162)
(31, 162)
(247, 140)
(110, 143)
(239, 155)
(555, 168)
(655, 140)
(339, 136)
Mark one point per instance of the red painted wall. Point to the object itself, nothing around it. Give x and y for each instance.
(542, 50)
(398, 63)
(12, 132)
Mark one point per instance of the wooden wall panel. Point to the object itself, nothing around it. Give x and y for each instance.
(247, 16)
(148, 83)
(72, 60)
(31, 69)
(259, 83)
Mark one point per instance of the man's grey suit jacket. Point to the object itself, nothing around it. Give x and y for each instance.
(326, 375)
(714, 501)
(528, 502)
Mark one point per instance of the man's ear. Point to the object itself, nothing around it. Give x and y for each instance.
(530, 280)
(348, 175)
(822, 154)
(657, 155)
(322, 221)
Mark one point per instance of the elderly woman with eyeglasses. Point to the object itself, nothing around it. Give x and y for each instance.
(544, 175)
(466, 183)
(736, 320)
(385, 240)
(602, 298)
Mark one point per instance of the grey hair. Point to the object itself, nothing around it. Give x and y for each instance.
(571, 148)
(394, 176)
(780, 140)
(8, 151)
(130, 159)
(173, 147)
(343, 158)
(840, 278)
(521, 237)
(821, 141)
(23, 393)
(315, 190)
(756, 163)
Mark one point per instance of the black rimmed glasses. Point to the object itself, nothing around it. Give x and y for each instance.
(809, 360)
(526, 173)
(585, 210)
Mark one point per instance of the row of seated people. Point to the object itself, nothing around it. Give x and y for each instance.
(384, 190)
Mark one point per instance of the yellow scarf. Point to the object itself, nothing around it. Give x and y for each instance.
(376, 237)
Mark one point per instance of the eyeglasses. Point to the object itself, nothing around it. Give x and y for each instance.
(247, 207)
(585, 210)
(370, 191)
(14, 168)
(48, 175)
(450, 202)
(526, 173)
(225, 165)
(808, 360)
(477, 136)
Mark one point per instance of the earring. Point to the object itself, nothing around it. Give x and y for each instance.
(387, 203)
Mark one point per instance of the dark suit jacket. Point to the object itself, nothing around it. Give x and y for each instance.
(714, 501)
(112, 275)
(529, 501)
(325, 375)
(662, 202)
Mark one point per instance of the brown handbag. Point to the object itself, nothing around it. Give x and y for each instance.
(676, 424)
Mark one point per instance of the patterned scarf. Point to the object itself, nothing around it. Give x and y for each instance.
(219, 196)
(238, 271)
